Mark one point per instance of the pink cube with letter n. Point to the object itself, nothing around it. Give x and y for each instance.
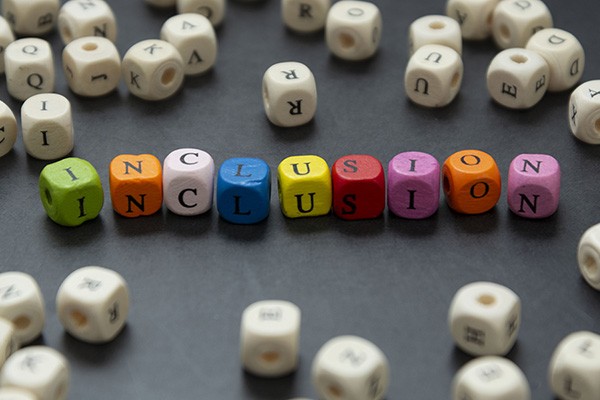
(533, 185)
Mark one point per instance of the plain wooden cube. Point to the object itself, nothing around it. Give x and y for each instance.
(92, 66)
(93, 303)
(6, 37)
(47, 126)
(518, 78)
(515, 21)
(533, 189)
(29, 68)
(485, 318)
(40, 370)
(575, 366)
(269, 336)
(194, 36)
(413, 185)
(289, 93)
(188, 178)
(350, 368)
(31, 17)
(214, 10)
(305, 188)
(136, 184)
(71, 191)
(353, 29)
(434, 29)
(564, 55)
(161, 3)
(16, 394)
(474, 17)
(433, 76)
(153, 69)
(305, 16)
(8, 129)
(8, 340)
(81, 18)
(584, 112)
(588, 256)
(21, 302)
(490, 378)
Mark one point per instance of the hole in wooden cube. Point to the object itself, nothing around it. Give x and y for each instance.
(487, 299)
(79, 319)
(21, 302)
(347, 40)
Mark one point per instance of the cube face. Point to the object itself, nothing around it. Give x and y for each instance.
(574, 367)
(244, 190)
(289, 94)
(588, 256)
(350, 368)
(92, 66)
(358, 187)
(413, 185)
(8, 129)
(6, 38)
(31, 17)
(433, 76)
(21, 302)
(194, 37)
(485, 318)
(153, 69)
(38, 369)
(93, 304)
(471, 182)
(47, 126)
(490, 378)
(214, 10)
(518, 78)
(584, 112)
(188, 178)
(78, 18)
(515, 21)
(136, 184)
(305, 188)
(29, 68)
(563, 53)
(71, 191)
(434, 29)
(305, 15)
(473, 16)
(270, 332)
(534, 185)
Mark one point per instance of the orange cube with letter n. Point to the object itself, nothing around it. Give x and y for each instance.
(135, 184)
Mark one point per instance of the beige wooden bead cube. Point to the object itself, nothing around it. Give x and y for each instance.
(194, 36)
(214, 10)
(153, 69)
(6, 38)
(38, 369)
(433, 75)
(93, 304)
(21, 302)
(8, 129)
(16, 394)
(515, 21)
(575, 366)
(29, 68)
(31, 17)
(584, 112)
(490, 378)
(47, 126)
(8, 340)
(269, 336)
(564, 55)
(588, 256)
(353, 29)
(92, 66)
(350, 368)
(81, 18)
(474, 17)
(485, 318)
(305, 16)
(518, 78)
(434, 29)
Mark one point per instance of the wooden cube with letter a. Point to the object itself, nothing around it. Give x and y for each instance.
(136, 184)
(304, 186)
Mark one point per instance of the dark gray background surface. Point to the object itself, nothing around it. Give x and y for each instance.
(389, 280)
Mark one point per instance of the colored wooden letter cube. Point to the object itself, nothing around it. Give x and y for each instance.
(71, 191)
(135, 184)
(413, 185)
(244, 190)
(305, 188)
(358, 187)
(533, 185)
(188, 178)
(472, 182)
